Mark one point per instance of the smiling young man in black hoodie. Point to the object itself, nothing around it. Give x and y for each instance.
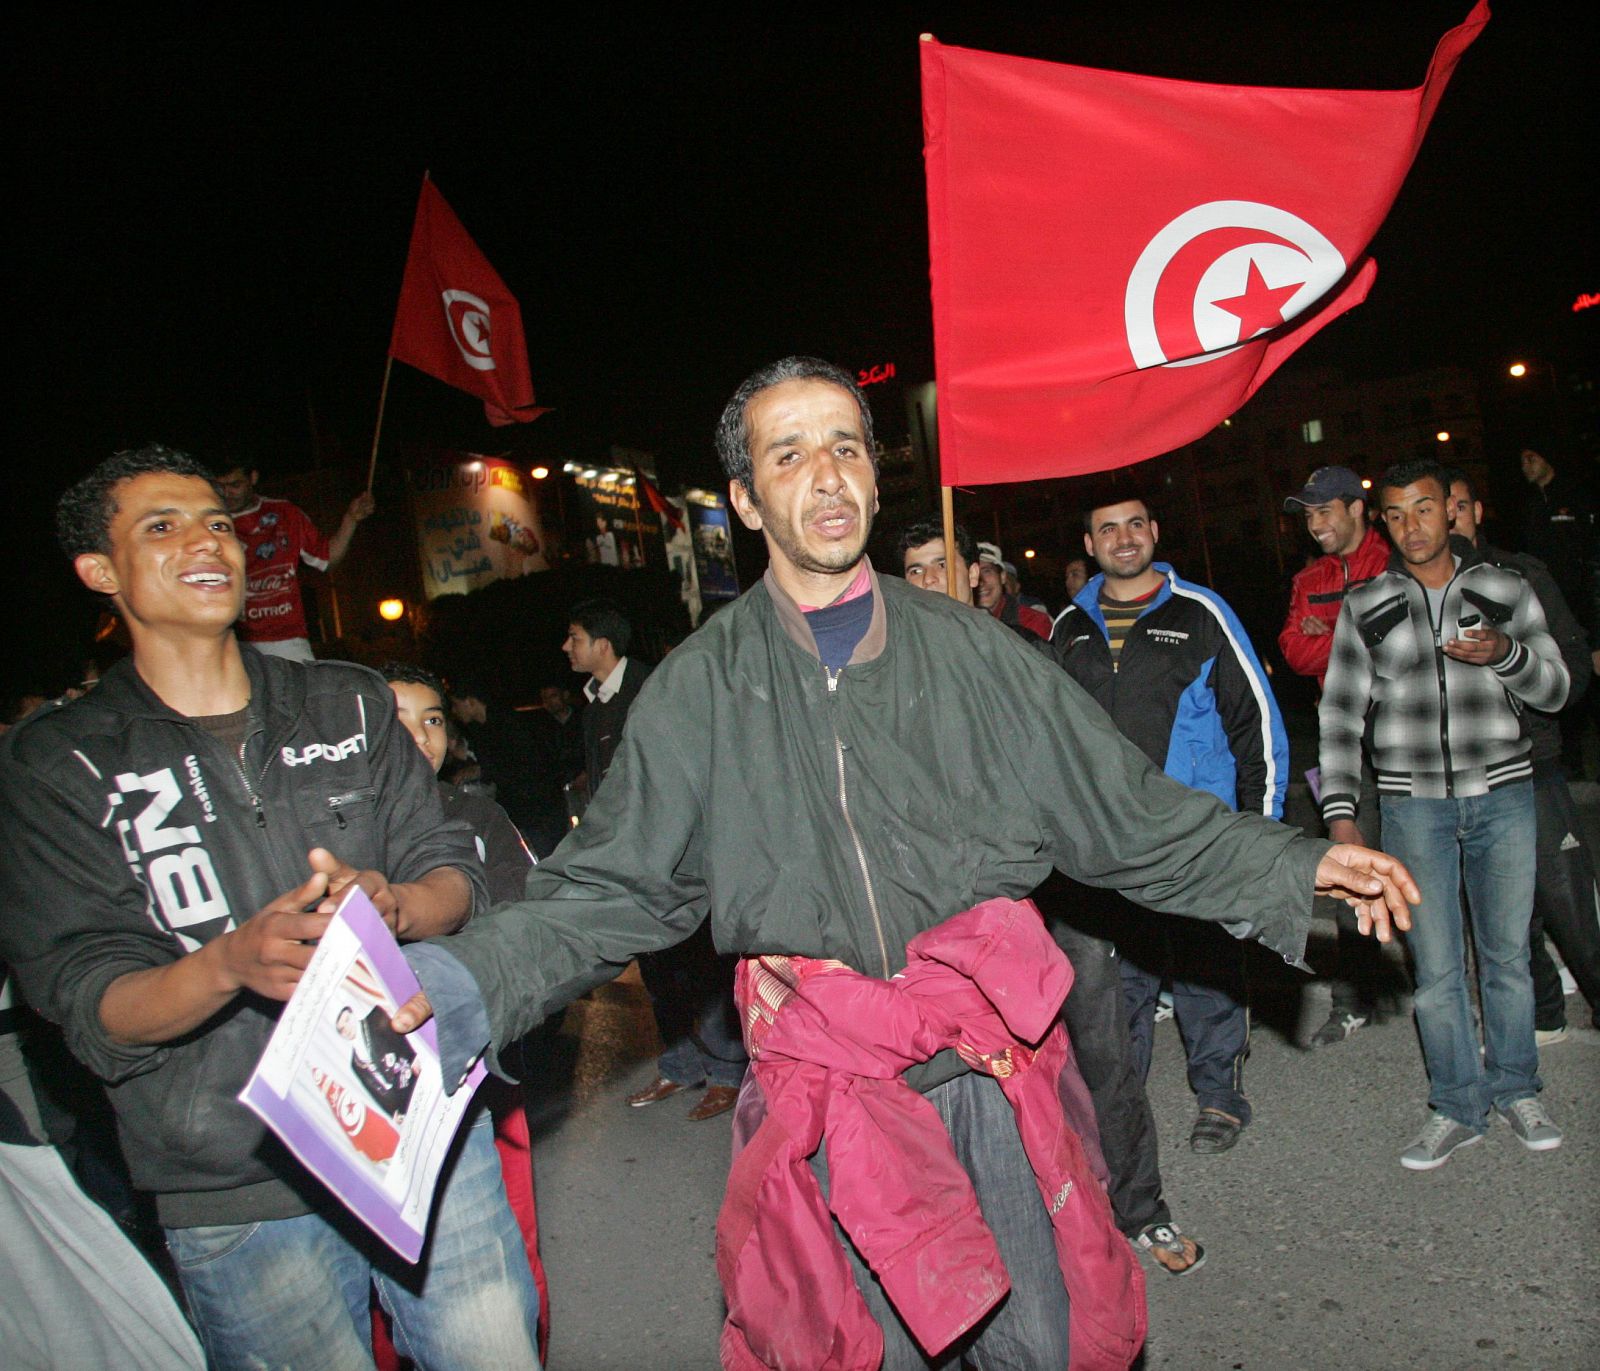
(175, 843)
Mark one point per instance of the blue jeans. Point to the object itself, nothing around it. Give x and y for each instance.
(294, 1293)
(1489, 839)
(691, 994)
(1029, 1328)
(1209, 1000)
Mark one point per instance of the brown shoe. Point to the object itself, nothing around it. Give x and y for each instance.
(655, 1092)
(718, 1099)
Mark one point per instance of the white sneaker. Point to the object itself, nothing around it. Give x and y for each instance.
(1532, 1125)
(1437, 1143)
(1549, 1037)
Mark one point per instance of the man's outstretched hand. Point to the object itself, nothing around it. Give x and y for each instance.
(1374, 884)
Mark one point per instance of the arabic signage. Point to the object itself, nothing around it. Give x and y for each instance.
(712, 534)
(477, 521)
(875, 375)
(612, 530)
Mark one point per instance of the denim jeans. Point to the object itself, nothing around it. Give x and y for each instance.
(691, 994)
(1209, 1000)
(294, 1293)
(1029, 1329)
(1359, 962)
(1489, 840)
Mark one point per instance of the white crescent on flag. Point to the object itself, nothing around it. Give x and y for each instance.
(1219, 274)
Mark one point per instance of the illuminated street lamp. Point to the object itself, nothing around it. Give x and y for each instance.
(1442, 436)
(1518, 369)
(391, 609)
(1030, 554)
(539, 473)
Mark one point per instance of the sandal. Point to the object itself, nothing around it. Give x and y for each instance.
(1173, 1252)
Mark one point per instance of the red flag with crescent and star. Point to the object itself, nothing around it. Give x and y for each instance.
(1119, 262)
(457, 321)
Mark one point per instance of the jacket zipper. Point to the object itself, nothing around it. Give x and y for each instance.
(250, 790)
(850, 824)
(1438, 666)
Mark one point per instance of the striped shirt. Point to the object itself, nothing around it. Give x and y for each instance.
(1120, 616)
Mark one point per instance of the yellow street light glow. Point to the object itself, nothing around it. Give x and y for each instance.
(539, 473)
(1366, 484)
(1442, 436)
(1029, 554)
(391, 609)
(1518, 368)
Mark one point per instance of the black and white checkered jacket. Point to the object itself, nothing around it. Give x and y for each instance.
(1438, 727)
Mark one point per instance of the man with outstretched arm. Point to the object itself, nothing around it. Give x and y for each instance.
(827, 772)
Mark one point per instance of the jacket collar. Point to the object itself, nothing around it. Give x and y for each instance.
(277, 690)
(1088, 599)
(1459, 547)
(793, 621)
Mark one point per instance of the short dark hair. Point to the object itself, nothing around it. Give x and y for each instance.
(407, 673)
(1403, 474)
(230, 460)
(1088, 514)
(926, 529)
(603, 619)
(84, 513)
(1454, 474)
(733, 428)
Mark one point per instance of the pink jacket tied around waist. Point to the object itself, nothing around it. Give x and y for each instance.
(827, 1046)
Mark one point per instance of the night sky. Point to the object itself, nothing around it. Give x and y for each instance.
(213, 211)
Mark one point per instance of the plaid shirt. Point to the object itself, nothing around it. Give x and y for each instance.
(1439, 727)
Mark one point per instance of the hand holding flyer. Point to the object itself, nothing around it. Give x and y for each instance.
(362, 1106)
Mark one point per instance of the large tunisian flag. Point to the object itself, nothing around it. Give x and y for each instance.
(457, 321)
(1120, 261)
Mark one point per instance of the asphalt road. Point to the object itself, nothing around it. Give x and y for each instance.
(1323, 1253)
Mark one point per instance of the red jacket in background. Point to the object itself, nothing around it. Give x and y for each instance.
(1008, 609)
(827, 1046)
(1319, 594)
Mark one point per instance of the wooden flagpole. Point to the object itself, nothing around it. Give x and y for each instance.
(377, 430)
(638, 514)
(947, 501)
(383, 394)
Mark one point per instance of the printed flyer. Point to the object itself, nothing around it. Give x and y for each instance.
(363, 1107)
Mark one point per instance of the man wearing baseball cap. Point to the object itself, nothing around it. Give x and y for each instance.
(1008, 609)
(1333, 503)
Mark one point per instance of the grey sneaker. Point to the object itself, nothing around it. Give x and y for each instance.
(1532, 1125)
(1435, 1145)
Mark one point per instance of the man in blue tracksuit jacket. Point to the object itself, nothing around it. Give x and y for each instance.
(1172, 665)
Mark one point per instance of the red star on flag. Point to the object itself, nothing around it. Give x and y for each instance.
(1261, 305)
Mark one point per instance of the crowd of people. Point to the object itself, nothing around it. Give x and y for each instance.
(856, 886)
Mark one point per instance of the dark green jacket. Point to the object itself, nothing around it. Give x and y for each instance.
(839, 818)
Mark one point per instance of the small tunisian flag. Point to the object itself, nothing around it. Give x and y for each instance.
(658, 502)
(1120, 261)
(457, 321)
